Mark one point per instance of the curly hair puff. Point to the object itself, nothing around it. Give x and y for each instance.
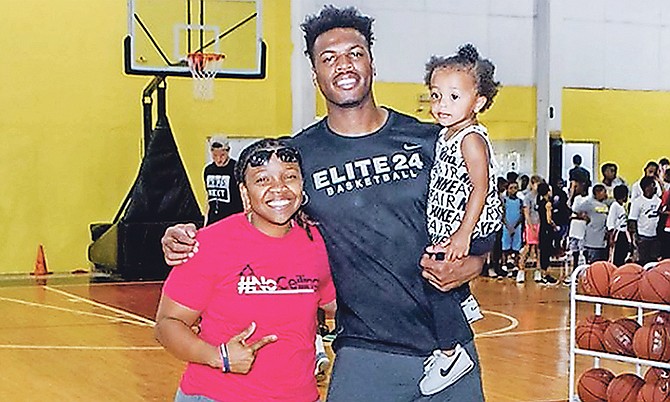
(467, 59)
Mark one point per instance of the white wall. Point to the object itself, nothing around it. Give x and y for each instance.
(617, 44)
(604, 43)
(408, 32)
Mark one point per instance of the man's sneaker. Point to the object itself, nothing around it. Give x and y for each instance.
(549, 280)
(441, 370)
(322, 365)
(537, 276)
(520, 276)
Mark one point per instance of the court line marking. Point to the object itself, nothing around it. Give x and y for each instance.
(63, 347)
(513, 324)
(528, 332)
(68, 310)
(102, 306)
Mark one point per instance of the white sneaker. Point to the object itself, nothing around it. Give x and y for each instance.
(471, 309)
(537, 276)
(441, 370)
(520, 276)
(322, 364)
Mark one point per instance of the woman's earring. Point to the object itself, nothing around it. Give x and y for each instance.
(305, 199)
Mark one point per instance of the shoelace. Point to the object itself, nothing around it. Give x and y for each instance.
(430, 362)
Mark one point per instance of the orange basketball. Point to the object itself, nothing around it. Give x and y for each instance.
(652, 342)
(625, 281)
(654, 374)
(595, 280)
(624, 388)
(654, 392)
(592, 385)
(655, 283)
(590, 333)
(618, 337)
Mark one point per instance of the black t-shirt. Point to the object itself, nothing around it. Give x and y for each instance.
(369, 196)
(223, 194)
(579, 174)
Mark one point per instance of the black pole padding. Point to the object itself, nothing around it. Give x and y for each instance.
(147, 104)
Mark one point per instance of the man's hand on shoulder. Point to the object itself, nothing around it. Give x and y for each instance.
(179, 243)
(447, 275)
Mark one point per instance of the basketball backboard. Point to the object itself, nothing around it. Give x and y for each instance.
(161, 33)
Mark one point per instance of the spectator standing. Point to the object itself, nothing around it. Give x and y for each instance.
(643, 221)
(617, 227)
(594, 211)
(531, 226)
(650, 170)
(609, 171)
(223, 194)
(512, 228)
(577, 173)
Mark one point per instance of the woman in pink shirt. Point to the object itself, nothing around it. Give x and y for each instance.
(256, 281)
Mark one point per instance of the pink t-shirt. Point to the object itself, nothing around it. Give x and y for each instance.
(241, 275)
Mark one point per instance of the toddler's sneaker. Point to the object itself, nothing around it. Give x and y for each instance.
(471, 309)
(441, 370)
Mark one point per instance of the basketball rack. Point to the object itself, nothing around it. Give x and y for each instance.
(599, 303)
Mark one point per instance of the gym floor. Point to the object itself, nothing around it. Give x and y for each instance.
(82, 338)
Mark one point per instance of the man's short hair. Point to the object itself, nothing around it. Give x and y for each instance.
(598, 188)
(651, 164)
(647, 181)
(608, 165)
(577, 159)
(620, 192)
(664, 161)
(512, 176)
(219, 141)
(331, 17)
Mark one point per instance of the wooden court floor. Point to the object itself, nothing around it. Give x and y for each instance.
(77, 338)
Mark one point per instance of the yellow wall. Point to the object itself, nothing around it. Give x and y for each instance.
(511, 117)
(632, 127)
(71, 122)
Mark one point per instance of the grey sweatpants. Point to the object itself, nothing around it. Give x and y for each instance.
(370, 375)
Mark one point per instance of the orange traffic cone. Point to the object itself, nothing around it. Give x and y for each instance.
(40, 262)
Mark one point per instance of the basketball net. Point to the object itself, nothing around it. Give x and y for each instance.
(203, 67)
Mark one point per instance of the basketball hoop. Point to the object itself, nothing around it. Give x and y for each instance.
(203, 67)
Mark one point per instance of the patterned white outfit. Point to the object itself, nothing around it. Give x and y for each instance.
(450, 188)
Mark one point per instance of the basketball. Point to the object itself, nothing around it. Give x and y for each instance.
(624, 388)
(652, 342)
(625, 282)
(590, 333)
(593, 383)
(595, 280)
(655, 284)
(654, 392)
(654, 374)
(618, 337)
